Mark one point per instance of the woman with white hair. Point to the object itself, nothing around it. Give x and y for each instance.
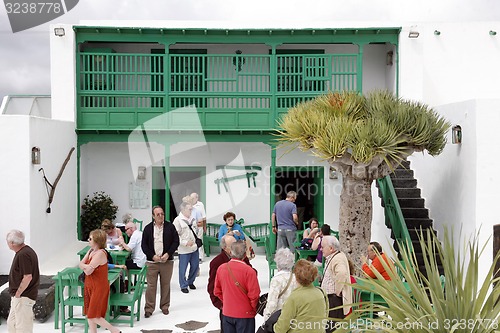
(281, 286)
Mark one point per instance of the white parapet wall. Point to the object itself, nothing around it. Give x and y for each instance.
(24, 197)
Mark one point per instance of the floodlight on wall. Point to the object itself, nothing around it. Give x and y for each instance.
(59, 32)
(389, 58)
(456, 134)
(413, 34)
(36, 156)
(493, 33)
(437, 32)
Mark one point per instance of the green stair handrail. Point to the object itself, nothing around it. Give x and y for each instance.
(393, 215)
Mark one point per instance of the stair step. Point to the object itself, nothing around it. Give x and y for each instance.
(411, 202)
(407, 192)
(415, 232)
(402, 173)
(405, 164)
(415, 212)
(404, 183)
(418, 222)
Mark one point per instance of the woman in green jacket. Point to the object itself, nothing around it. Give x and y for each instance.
(306, 310)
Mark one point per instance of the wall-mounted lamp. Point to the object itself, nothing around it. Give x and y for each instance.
(389, 58)
(437, 32)
(332, 173)
(456, 134)
(493, 33)
(238, 60)
(413, 34)
(36, 157)
(141, 172)
(59, 32)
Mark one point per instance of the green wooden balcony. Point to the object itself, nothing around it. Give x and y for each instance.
(120, 91)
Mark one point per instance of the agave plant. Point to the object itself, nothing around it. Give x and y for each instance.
(364, 138)
(454, 302)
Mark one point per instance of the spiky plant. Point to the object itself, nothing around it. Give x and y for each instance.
(364, 138)
(457, 302)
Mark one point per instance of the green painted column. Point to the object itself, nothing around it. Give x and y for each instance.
(78, 194)
(272, 194)
(167, 180)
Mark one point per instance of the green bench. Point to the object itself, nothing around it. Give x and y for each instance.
(211, 236)
(257, 233)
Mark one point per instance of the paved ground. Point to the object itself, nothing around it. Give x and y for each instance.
(195, 306)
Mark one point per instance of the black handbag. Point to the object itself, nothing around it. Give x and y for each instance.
(198, 241)
(262, 304)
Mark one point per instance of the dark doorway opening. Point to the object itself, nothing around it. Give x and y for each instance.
(308, 183)
(183, 182)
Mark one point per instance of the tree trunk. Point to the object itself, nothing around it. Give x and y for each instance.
(355, 218)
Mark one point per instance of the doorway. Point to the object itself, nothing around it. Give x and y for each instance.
(308, 183)
(183, 182)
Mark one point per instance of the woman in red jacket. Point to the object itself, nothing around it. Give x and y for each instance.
(376, 256)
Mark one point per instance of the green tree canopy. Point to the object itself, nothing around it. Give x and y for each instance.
(364, 138)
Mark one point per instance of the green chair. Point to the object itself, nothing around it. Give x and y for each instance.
(133, 277)
(125, 237)
(70, 296)
(138, 223)
(133, 301)
(270, 258)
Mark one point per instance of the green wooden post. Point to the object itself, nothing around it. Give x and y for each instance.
(272, 195)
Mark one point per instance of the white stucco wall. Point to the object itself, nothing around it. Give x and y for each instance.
(460, 184)
(24, 196)
(63, 73)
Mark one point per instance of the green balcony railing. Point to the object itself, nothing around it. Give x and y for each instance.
(229, 91)
(393, 215)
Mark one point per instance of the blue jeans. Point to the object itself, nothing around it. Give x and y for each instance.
(193, 260)
(238, 325)
(286, 239)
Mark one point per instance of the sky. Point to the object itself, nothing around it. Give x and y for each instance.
(24, 56)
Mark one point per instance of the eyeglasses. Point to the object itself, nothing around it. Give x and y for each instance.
(160, 214)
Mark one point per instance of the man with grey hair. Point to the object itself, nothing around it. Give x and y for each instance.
(236, 285)
(137, 258)
(285, 221)
(24, 279)
(223, 257)
(185, 224)
(336, 279)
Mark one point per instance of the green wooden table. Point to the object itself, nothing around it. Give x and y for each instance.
(119, 256)
(304, 254)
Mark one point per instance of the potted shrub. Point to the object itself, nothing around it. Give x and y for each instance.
(95, 209)
(456, 301)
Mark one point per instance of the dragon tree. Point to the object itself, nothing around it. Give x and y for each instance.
(364, 138)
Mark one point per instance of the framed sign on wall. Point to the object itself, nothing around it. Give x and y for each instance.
(138, 193)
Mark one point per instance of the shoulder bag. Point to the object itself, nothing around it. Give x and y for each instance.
(198, 241)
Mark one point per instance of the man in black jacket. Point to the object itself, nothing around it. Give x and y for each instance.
(159, 242)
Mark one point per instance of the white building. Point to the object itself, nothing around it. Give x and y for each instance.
(112, 83)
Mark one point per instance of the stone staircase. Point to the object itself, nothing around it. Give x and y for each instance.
(413, 208)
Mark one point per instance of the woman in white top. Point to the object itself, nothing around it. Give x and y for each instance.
(114, 235)
(284, 278)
